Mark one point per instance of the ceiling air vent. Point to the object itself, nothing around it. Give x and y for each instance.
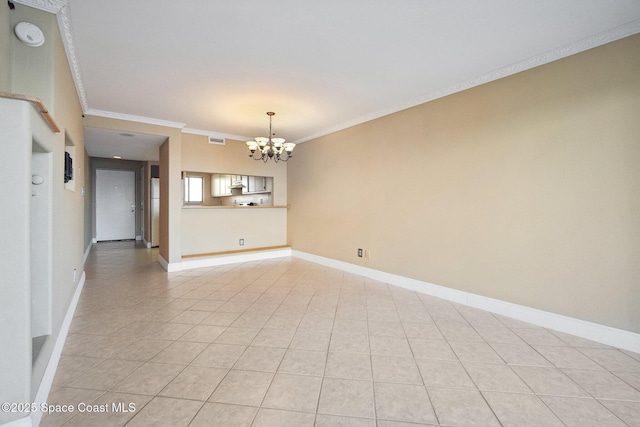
(216, 141)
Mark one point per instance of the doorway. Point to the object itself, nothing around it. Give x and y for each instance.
(115, 205)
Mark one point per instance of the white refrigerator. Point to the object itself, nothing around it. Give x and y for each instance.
(155, 212)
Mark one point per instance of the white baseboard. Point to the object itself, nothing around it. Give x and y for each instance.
(87, 252)
(169, 268)
(608, 335)
(52, 366)
(138, 238)
(592, 331)
(213, 261)
(94, 240)
(235, 258)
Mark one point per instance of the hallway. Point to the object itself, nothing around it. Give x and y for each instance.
(287, 342)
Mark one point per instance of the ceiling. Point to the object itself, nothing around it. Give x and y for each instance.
(219, 66)
(127, 145)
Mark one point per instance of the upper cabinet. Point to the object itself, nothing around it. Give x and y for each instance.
(220, 185)
(228, 185)
(259, 184)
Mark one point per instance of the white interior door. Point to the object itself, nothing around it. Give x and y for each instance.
(115, 205)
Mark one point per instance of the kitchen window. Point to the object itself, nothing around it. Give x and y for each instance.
(193, 189)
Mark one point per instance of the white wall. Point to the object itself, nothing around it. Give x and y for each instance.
(15, 325)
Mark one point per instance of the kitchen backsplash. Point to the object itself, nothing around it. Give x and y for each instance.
(264, 199)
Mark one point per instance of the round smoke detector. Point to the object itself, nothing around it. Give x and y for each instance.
(29, 34)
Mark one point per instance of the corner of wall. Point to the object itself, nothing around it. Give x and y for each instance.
(5, 49)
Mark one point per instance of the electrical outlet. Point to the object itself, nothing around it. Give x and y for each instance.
(359, 252)
(241, 242)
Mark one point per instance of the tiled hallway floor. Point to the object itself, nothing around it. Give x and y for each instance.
(287, 342)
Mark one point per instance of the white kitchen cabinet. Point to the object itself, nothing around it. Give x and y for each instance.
(257, 184)
(260, 184)
(220, 184)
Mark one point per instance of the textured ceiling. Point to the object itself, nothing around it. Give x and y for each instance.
(219, 66)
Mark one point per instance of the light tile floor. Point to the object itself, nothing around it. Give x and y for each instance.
(287, 342)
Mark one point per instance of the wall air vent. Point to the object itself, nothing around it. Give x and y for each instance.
(216, 141)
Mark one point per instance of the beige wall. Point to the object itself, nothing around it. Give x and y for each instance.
(68, 217)
(216, 230)
(525, 189)
(211, 230)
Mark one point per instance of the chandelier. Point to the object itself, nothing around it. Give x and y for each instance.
(264, 148)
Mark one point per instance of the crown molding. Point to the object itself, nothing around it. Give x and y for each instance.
(609, 36)
(64, 22)
(61, 9)
(52, 6)
(132, 118)
(215, 134)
